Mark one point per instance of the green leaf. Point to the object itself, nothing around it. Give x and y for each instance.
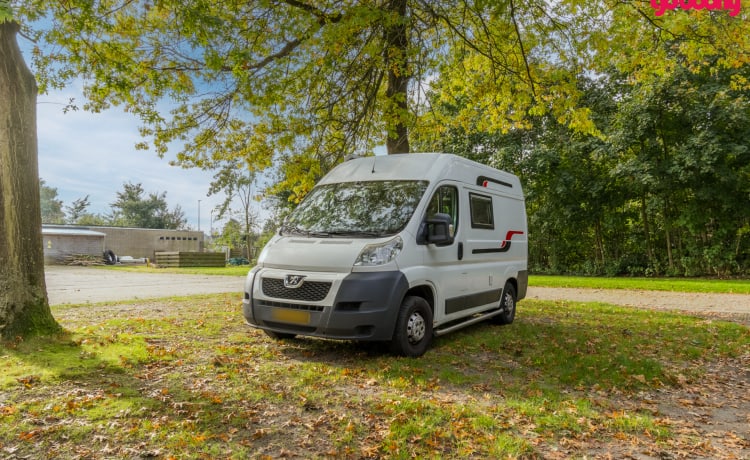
(6, 12)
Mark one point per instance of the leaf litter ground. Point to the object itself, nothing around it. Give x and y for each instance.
(185, 378)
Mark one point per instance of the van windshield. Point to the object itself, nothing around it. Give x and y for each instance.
(356, 209)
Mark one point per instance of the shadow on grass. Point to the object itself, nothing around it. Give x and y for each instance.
(104, 395)
(552, 345)
(206, 385)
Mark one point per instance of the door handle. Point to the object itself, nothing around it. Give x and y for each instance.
(460, 251)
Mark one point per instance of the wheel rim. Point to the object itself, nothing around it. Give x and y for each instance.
(415, 328)
(510, 304)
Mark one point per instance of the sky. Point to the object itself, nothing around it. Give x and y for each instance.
(83, 153)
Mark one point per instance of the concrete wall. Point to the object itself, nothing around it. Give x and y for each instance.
(137, 242)
(58, 246)
(144, 242)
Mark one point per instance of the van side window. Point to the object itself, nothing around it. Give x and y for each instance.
(481, 211)
(445, 201)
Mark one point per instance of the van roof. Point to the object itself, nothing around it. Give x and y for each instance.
(432, 167)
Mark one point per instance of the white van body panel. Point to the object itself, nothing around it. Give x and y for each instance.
(459, 280)
(312, 254)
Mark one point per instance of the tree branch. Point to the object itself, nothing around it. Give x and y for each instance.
(520, 44)
(289, 46)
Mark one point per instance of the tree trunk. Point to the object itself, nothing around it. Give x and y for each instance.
(399, 73)
(600, 253)
(668, 236)
(647, 231)
(24, 308)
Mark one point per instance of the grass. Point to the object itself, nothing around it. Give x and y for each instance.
(181, 378)
(230, 270)
(646, 284)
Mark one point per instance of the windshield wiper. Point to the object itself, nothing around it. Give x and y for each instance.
(359, 233)
(292, 230)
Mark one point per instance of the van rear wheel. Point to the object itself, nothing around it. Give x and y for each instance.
(507, 305)
(413, 332)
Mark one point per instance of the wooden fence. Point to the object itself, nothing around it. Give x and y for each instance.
(190, 259)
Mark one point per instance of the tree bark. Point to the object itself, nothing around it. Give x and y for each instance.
(668, 236)
(399, 74)
(24, 308)
(647, 231)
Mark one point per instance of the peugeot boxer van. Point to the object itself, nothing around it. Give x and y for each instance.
(397, 248)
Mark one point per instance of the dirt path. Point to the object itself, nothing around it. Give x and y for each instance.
(713, 413)
(730, 306)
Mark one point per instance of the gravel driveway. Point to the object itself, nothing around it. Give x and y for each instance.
(85, 284)
(735, 305)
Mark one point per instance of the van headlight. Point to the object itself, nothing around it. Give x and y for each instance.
(379, 254)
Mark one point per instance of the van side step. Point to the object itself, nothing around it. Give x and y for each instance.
(478, 318)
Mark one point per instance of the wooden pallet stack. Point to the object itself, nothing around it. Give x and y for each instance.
(190, 259)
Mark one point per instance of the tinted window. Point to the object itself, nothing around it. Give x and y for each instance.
(356, 209)
(481, 211)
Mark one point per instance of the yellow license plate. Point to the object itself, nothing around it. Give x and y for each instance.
(291, 316)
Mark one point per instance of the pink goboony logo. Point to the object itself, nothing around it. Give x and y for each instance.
(660, 6)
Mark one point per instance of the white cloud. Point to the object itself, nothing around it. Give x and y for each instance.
(82, 153)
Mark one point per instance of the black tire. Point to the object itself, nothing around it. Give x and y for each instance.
(413, 332)
(279, 335)
(109, 257)
(507, 305)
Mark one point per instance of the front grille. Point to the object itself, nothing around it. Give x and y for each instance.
(310, 291)
(292, 306)
(290, 327)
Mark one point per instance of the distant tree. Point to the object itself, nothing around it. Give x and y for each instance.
(132, 209)
(77, 209)
(657, 193)
(51, 206)
(92, 219)
(231, 235)
(270, 227)
(24, 308)
(237, 184)
(683, 138)
(77, 214)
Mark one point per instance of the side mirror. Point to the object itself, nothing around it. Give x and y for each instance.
(438, 229)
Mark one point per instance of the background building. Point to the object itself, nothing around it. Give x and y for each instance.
(63, 241)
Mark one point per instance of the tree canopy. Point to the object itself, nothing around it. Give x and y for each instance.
(663, 188)
(77, 210)
(52, 206)
(301, 84)
(583, 94)
(132, 209)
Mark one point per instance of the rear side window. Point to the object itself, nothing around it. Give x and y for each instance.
(481, 211)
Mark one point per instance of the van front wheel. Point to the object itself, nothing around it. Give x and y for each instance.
(507, 305)
(413, 332)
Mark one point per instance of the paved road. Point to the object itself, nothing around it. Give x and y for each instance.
(85, 284)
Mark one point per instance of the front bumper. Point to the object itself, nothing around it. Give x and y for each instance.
(356, 306)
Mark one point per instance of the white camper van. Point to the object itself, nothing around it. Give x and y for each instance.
(394, 248)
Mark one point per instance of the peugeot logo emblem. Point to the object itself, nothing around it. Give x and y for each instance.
(293, 281)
